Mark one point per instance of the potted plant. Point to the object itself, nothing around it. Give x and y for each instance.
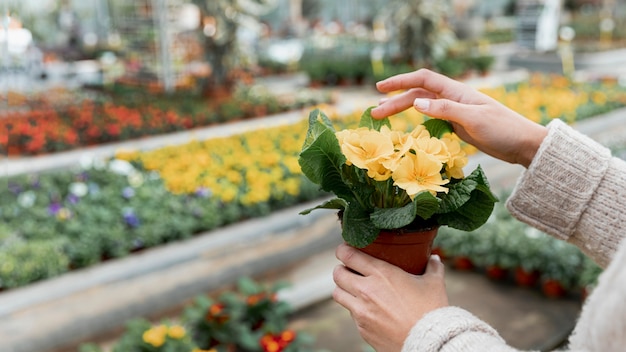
(389, 184)
(561, 272)
(588, 278)
(461, 248)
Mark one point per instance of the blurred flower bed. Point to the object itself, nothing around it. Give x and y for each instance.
(546, 97)
(58, 221)
(61, 120)
(249, 318)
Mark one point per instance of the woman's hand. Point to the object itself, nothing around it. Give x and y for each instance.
(477, 119)
(385, 301)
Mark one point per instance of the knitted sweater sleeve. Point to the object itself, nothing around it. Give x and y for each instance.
(453, 329)
(574, 190)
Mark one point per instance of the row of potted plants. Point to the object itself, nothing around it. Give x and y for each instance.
(100, 206)
(47, 127)
(505, 249)
(250, 318)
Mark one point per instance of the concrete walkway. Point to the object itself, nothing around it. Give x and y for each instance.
(57, 314)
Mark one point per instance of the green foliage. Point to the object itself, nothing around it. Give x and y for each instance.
(63, 220)
(17, 266)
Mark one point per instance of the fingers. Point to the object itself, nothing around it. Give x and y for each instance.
(341, 294)
(357, 260)
(397, 103)
(434, 82)
(446, 109)
(435, 266)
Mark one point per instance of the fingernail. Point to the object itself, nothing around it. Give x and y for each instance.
(436, 257)
(421, 104)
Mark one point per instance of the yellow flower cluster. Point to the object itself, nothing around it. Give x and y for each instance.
(157, 335)
(251, 167)
(255, 166)
(415, 161)
(546, 97)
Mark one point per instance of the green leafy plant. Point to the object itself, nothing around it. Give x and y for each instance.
(386, 179)
(251, 318)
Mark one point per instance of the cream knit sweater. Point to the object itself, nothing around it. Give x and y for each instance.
(573, 190)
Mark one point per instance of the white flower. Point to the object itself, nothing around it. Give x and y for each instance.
(121, 167)
(27, 199)
(78, 189)
(135, 179)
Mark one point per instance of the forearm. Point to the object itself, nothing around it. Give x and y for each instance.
(574, 190)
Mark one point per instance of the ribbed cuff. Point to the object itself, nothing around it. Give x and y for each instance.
(553, 192)
(443, 326)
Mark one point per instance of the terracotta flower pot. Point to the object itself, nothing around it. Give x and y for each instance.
(407, 249)
(496, 272)
(463, 263)
(553, 289)
(526, 279)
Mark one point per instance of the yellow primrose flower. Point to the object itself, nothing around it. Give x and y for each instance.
(365, 148)
(458, 158)
(432, 146)
(419, 172)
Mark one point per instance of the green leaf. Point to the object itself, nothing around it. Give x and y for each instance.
(459, 193)
(357, 228)
(316, 128)
(437, 128)
(423, 205)
(373, 124)
(473, 214)
(335, 203)
(469, 203)
(426, 205)
(321, 159)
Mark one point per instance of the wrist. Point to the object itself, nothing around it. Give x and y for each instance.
(531, 145)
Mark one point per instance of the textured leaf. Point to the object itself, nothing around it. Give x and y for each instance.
(335, 203)
(426, 205)
(423, 205)
(470, 204)
(437, 127)
(373, 124)
(473, 214)
(321, 159)
(357, 228)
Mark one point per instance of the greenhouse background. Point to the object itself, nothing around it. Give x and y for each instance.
(150, 189)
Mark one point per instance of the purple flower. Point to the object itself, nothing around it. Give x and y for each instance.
(82, 177)
(34, 181)
(15, 188)
(72, 198)
(128, 192)
(130, 218)
(203, 192)
(54, 208)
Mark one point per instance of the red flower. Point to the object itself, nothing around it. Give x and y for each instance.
(278, 342)
(217, 313)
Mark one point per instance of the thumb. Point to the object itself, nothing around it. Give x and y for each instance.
(435, 265)
(443, 109)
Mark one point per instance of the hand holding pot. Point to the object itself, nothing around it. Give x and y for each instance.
(385, 301)
(477, 118)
